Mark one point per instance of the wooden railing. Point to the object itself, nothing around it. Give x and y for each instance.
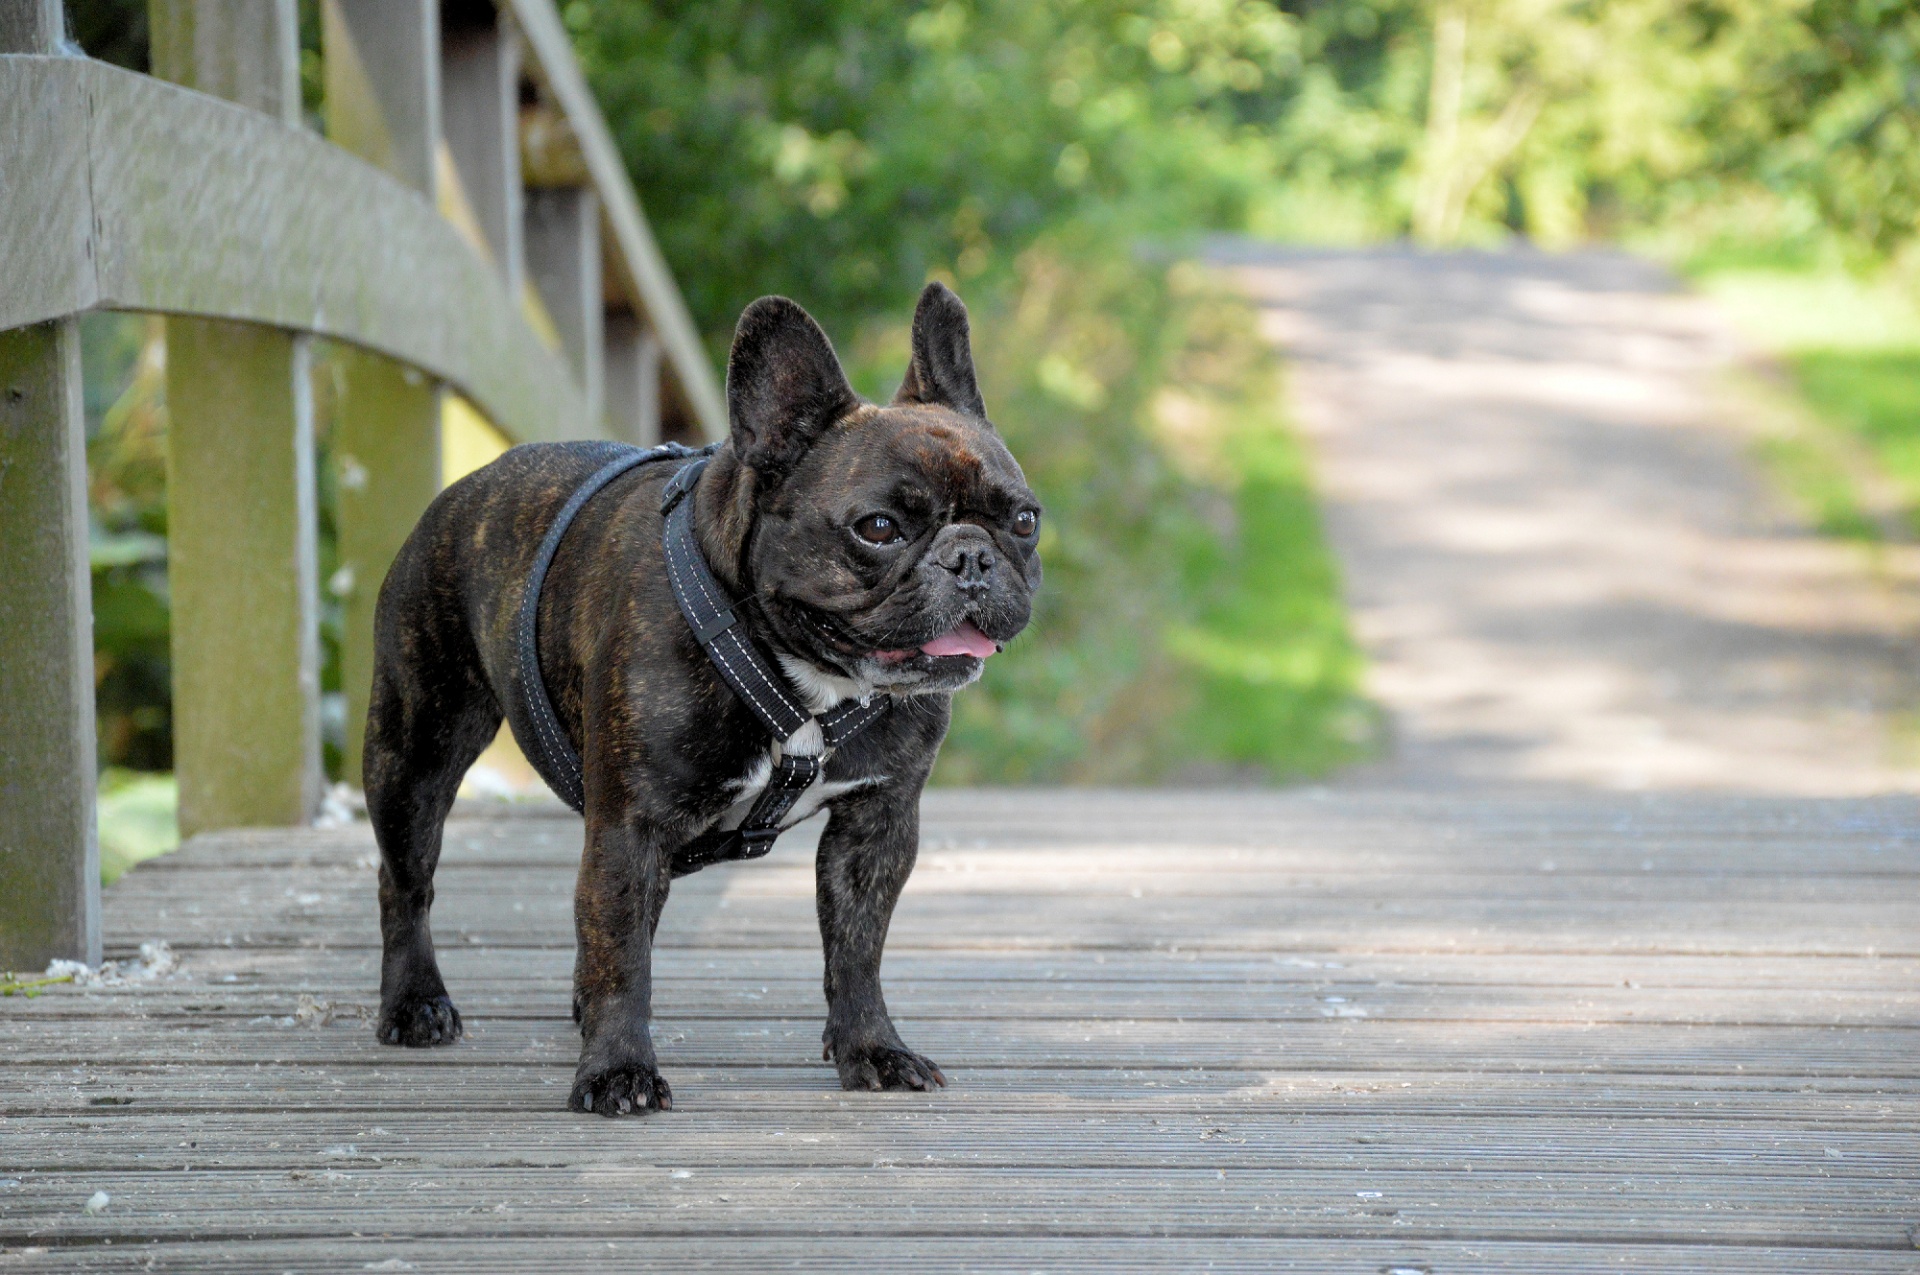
(415, 238)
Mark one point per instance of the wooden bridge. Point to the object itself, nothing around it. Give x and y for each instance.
(1403, 1029)
(1356, 1031)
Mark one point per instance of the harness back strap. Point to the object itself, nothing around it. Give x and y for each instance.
(545, 743)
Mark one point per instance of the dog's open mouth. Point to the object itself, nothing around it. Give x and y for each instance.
(964, 640)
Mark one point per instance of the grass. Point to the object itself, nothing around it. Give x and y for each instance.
(1850, 346)
(1874, 396)
(138, 814)
(1276, 672)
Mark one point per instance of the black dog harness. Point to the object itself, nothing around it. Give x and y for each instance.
(715, 621)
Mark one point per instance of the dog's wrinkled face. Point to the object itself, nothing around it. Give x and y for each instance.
(894, 546)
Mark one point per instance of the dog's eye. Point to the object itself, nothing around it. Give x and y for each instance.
(1025, 523)
(878, 529)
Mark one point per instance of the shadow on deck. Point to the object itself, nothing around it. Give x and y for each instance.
(1351, 1031)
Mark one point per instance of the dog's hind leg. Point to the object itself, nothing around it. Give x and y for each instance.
(429, 718)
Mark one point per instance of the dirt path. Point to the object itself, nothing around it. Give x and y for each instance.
(1558, 553)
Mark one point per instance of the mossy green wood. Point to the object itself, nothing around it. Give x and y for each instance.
(49, 858)
(246, 51)
(242, 513)
(386, 456)
(242, 525)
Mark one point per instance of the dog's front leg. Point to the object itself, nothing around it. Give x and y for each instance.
(624, 876)
(866, 855)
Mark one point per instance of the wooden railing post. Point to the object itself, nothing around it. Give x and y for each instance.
(480, 114)
(240, 488)
(383, 103)
(49, 857)
(49, 852)
(632, 378)
(247, 51)
(563, 261)
(383, 83)
(31, 26)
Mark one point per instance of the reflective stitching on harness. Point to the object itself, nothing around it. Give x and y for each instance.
(706, 595)
(696, 591)
(702, 601)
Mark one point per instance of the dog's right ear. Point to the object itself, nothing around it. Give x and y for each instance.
(785, 385)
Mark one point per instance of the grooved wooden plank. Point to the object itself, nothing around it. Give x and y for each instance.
(755, 1254)
(1238, 923)
(96, 1088)
(321, 969)
(1465, 1047)
(1198, 849)
(632, 1193)
(728, 1253)
(1170, 1000)
(858, 1135)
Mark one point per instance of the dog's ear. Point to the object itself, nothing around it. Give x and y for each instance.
(784, 384)
(941, 371)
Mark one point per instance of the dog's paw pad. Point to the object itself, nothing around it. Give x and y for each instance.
(631, 1089)
(884, 1067)
(417, 1022)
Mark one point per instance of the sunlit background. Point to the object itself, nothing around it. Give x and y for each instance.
(1064, 164)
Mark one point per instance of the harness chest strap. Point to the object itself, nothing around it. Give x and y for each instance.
(714, 619)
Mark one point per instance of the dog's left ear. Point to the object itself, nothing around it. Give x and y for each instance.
(784, 384)
(942, 368)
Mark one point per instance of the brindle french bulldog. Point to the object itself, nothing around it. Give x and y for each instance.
(879, 551)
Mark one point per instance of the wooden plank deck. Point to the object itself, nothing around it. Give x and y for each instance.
(1369, 1031)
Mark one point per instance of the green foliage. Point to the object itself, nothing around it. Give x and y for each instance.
(843, 153)
(139, 819)
(1846, 444)
(1190, 624)
(1875, 397)
(127, 500)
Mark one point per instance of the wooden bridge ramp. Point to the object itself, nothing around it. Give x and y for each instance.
(1369, 1032)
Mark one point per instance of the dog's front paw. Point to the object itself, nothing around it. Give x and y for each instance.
(879, 1066)
(620, 1089)
(417, 1021)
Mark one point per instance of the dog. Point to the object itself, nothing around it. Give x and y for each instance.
(872, 556)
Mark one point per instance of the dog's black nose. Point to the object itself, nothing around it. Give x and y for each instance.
(972, 564)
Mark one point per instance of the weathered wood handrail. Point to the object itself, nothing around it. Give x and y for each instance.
(409, 238)
(171, 201)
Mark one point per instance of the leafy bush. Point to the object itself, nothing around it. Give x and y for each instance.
(843, 153)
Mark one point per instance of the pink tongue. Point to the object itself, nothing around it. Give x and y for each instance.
(964, 640)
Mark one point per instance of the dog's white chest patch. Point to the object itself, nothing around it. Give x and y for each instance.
(822, 692)
(822, 791)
